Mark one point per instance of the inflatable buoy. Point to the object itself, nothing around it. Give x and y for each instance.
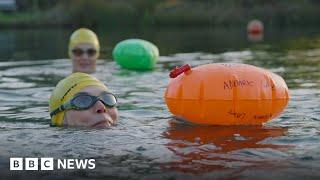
(136, 54)
(226, 94)
(255, 27)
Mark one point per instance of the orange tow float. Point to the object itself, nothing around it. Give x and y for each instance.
(226, 94)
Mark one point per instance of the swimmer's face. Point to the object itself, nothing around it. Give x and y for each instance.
(84, 58)
(97, 116)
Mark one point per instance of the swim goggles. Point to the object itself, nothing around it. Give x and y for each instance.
(79, 52)
(83, 101)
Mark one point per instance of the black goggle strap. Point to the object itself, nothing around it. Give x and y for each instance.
(63, 107)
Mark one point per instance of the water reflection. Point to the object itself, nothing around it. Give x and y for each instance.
(36, 44)
(255, 37)
(143, 138)
(199, 149)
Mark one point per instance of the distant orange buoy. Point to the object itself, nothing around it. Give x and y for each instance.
(255, 27)
(227, 94)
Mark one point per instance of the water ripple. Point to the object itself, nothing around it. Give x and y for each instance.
(146, 139)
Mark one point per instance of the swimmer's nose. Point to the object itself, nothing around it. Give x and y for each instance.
(84, 57)
(100, 107)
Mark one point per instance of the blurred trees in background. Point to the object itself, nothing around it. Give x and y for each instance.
(166, 12)
(34, 5)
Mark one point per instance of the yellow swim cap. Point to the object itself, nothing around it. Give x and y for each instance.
(84, 35)
(66, 89)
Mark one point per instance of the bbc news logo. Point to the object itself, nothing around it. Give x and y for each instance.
(47, 164)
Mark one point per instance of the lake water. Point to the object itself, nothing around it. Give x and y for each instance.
(147, 142)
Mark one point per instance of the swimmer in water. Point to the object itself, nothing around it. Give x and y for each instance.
(84, 50)
(82, 100)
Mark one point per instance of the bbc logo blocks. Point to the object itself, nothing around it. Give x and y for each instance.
(31, 164)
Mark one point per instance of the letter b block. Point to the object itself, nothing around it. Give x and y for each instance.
(31, 163)
(16, 164)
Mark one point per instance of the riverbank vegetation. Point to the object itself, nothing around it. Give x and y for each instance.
(213, 13)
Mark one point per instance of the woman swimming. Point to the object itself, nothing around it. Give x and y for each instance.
(84, 50)
(82, 100)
